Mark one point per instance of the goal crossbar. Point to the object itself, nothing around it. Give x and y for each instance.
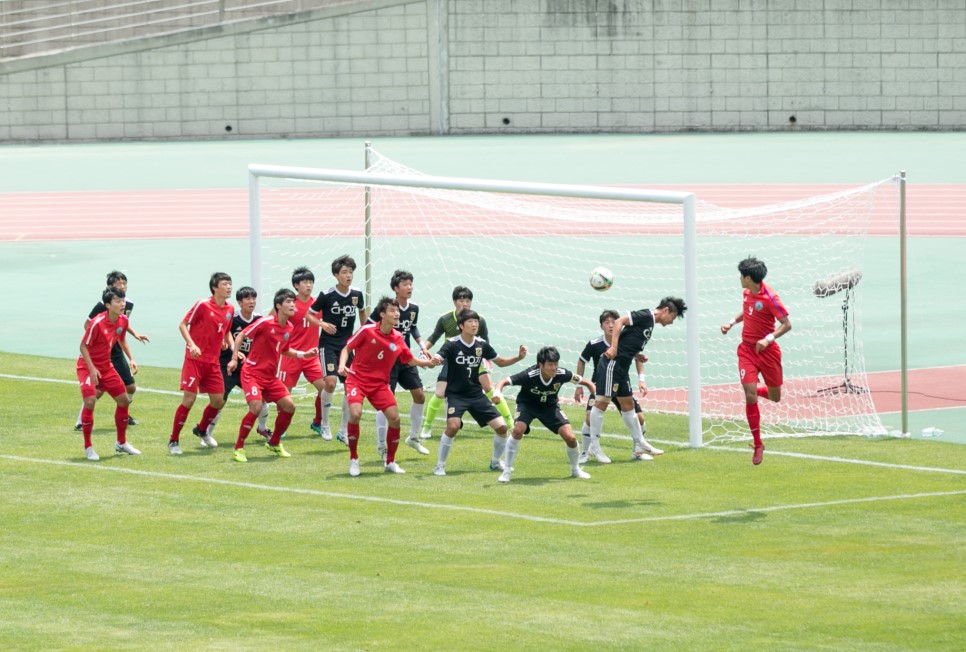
(686, 200)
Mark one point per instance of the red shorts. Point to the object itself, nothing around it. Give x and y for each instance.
(380, 396)
(110, 381)
(768, 363)
(202, 377)
(291, 368)
(256, 388)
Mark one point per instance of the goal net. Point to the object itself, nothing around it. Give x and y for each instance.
(527, 258)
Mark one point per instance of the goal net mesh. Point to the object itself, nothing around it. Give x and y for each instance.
(527, 260)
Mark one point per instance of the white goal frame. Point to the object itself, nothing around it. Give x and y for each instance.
(687, 202)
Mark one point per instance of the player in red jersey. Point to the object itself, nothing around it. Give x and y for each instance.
(377, 346)
(758, 352)
(206, 330)
(97, 374)
(305, 335)
(270, 337)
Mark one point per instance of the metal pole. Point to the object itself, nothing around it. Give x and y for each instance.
(255, 232)
(904, 390)
(368, 227)
(695, 435)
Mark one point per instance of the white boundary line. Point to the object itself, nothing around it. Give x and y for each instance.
(477, 510)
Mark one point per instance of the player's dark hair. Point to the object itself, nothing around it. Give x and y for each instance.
(115, 276)
(246, 292)
(609, 314)
(343, 261)
(398, 277)
(281, 296)
(109, 293)
(381, 306)
(217, 278)
(753, 268)
(466, 315)
(462, 292)
(675, 303)
(548, 354)
(302, 274)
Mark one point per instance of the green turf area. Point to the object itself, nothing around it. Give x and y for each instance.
(833, 543)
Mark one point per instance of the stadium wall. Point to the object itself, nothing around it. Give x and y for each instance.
(397, 67)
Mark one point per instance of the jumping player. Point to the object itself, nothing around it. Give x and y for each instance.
(335, 312)
(463, 356)
(631, 333)
(206, 330)
(97, 374)
(270, 337)
(378, 348)
(758, 352)
(538, 399)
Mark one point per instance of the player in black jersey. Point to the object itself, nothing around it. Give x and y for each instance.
(592, 353)
(243, 317)
(539, 388)
(631, 333)
(463, 355)
(118, 281)
(334, 311)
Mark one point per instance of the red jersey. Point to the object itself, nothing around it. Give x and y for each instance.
(100, 336)
(305, 334)
(759, 313)
(268, 339)
(207, 323)
(376, 353)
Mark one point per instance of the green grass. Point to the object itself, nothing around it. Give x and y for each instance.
(697, 550)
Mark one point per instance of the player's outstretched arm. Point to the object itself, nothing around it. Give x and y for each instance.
(500, 361)
(583, 382)
(429, 361)
(727, 327)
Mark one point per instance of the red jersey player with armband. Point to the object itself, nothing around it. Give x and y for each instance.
(376, 346)
(758, 352)
(96, 373)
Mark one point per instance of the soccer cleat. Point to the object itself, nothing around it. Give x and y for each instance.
(583, 458)
(505, 476)
(174, 448)
(383, 452)
(278, 450)
(78, 427)
(392, 467)
(578, 472)
(323, 431)
(600, 455)
(498, 466)
(416, 446)
(440, 469)
(354, 468)
(265, 432)
(207, 441)
(757, 455)
(640, 456)
(131, 421)
(126, 448)
(650, 450)
(90, 454)
(339, 437)
(426, 434)
(240, 455)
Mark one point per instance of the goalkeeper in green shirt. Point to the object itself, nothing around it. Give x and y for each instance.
(446, 326)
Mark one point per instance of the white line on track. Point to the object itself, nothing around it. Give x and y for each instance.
(476, 510)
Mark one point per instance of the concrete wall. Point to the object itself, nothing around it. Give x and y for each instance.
(383, 67)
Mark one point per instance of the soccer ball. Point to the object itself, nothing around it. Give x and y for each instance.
(601, 279)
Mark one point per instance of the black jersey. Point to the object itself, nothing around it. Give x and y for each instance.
(536, 392)
(592, 352)
(635, 335)
(407, 322)
(463, 364)
(238, 324)
(339, 309)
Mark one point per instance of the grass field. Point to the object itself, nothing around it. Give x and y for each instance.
(833, 543)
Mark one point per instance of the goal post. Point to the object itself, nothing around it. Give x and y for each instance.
(686, 201)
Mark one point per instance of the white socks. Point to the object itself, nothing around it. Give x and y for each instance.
(512, 446)
(630, 420)
(416, 419)
(445, 443)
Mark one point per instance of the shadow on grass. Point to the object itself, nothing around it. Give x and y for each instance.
(742, 518)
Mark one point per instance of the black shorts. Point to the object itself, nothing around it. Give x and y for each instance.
(329, 357)
(231, 380)
(478, 406)
(611, 378)
(549, 416)
(121, 366)
(592, 399)
(406, 376)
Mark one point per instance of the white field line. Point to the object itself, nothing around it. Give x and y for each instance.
(477, 510)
